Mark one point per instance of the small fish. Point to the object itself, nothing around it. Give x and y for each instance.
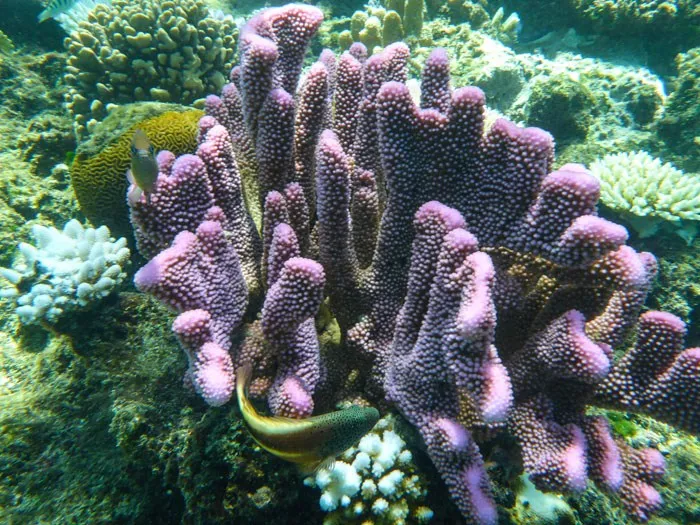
(55, 8)
(144, 166)
(310, 443)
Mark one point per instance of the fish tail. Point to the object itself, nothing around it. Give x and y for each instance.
(243, 375)
(312, 467)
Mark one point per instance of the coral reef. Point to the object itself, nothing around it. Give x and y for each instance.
(98, 172)
(648, 194)
(171, 51)
(66, 271)
(625, 17)
(476, 289)
(101, 414)
(655, 29)
(376, 481)
(35, 134)
(484, 15)
(624, 102)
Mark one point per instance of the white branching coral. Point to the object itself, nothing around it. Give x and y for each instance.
(649, 194)
(66, 271)
(374, 483)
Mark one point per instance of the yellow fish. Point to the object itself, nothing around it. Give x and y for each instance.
(144, 166)
(310, 443)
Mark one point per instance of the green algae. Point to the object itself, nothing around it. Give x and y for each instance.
(6, 45)
(96, 427)
(680, 125)
(562, 106)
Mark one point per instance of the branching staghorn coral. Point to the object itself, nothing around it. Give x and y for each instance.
(474, 288)
(650, 195)
(170, 51)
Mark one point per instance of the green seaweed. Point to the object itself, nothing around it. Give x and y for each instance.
(622, 425)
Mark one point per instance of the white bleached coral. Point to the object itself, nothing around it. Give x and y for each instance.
(65, 271)
(374, 483)
(649, 194)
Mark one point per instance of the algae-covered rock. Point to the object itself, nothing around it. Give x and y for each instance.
(98, 173)
(171, 51)
(639, 17)
(562, 106)
(35, 134)
(677, 286)
(95, 427)
(643, 103)
(47, 141)
(680, 124)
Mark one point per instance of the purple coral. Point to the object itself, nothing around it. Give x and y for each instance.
(200, 276)
(475, 288)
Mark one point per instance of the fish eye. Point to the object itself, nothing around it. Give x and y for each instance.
(134, 150)
(151, 150)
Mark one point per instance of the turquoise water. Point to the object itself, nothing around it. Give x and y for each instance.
(320, 194)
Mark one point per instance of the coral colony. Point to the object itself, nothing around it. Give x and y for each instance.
(649, 195)
(67, 271)
(475, 289)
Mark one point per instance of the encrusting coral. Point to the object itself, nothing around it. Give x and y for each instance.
(99, 179)
(66, 271)
(476, 290)
(649, 194)
(169, 51)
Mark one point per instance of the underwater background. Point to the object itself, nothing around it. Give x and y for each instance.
(531, 378)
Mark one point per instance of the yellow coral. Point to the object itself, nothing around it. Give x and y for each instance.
(99, 181)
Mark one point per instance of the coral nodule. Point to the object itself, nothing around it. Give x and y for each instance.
(476, 290)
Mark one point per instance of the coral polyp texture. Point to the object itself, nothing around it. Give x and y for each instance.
(650, 195)
(126, 51)
(66, 271)
(474, 288)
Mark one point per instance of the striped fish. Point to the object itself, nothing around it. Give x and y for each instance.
(310, 443)
(55, 8)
